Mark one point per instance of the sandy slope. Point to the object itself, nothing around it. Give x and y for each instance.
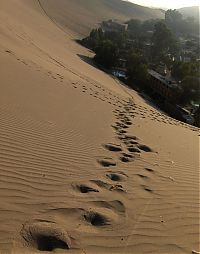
(68, 14)
(85, 163)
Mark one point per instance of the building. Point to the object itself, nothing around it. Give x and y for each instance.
(113, 26)
(169, 91)
(165, 88)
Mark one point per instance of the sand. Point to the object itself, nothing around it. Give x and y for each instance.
(86, 164)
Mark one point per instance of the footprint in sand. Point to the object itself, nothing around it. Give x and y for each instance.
(145, 148)
(116, 177)
(105, 213)
(96, 219)
(45, 236)
(108, 186)
(149, 169)
(113, 147)
(147, 189)
(107, 162)
(84, 188)
(133, 149)
(143, 176)
(115, 205)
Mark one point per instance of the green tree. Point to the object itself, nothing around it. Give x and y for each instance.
(118, 38)
(137, 68)
(134, 28)
(173, 20)
(190, 90)
(163, 42)
(181, 70)
(106, 54)
(148, 25)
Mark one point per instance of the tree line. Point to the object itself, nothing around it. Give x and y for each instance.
(148, 44)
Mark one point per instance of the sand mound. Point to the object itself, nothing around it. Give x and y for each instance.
(86, 165)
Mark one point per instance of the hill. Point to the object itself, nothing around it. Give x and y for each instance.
(192, 11)
(86, 164)
(80, 16)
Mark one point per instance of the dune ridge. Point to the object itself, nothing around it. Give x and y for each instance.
(86, 165)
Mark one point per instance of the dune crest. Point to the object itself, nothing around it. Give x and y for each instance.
(86, 165)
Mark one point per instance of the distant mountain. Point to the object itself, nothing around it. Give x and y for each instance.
(192, 11)
(82, 15)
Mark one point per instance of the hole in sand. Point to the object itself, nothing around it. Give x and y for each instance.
(96, 219)
(134, 150)
(148, 189)
(113, 147)
(125, 159)
(107, 162)
(45, 236)
(114, 177)
(85, 189)
(50, 243)
(145, 148)
(149, 169)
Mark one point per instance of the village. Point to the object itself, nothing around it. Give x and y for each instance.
(158, 61)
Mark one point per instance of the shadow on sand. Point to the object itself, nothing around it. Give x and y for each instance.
(88, 60)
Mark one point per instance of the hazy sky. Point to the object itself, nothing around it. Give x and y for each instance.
(173, 4)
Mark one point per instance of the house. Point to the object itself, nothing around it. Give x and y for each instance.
(113, 26)
(164, 87)
(169, 91)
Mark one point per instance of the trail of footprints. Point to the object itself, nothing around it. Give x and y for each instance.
(97, 91)
(48, 235)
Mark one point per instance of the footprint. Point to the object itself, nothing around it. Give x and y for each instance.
(115, 177)
(148, 189)
(132, 142)
(110, 187)
(45, 236)
(85, 188)
(149, 169)
(134, 150)
(96, 219)
(144, 148)
(121, 131)
(107, 162)
(131, 137)
(115, 205)
(143, 176)
(113, 147)
(9, 51)
(128, 122)
(125, 159)
(121, 125)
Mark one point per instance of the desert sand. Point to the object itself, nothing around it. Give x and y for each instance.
(86, 164)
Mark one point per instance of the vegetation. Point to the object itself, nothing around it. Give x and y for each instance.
(178, 25)
(137, 68)
(181, 70)
(106, 53)
(170, 43)
(190, 90)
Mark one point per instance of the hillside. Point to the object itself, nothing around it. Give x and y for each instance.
(86, 164)
(81, 16)
(192, 11)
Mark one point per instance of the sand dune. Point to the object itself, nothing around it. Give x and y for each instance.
(86, 165)
(81, 16)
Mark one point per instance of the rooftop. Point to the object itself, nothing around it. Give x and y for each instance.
(166, 81)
